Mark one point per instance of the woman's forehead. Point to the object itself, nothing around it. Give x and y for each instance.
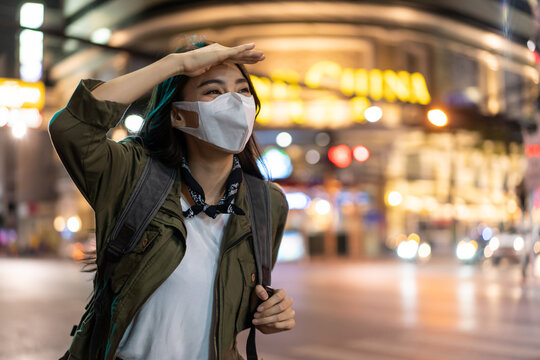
(224, 71)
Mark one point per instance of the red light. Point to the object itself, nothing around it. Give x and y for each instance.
(360, 153)
(532, 150)
(340, 155)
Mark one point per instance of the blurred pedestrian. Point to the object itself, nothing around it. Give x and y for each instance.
(187, 288)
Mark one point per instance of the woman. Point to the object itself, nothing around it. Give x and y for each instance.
(185, 290)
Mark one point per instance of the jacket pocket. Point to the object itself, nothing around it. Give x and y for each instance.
(162, 228)
(129, 262)
(249, 299)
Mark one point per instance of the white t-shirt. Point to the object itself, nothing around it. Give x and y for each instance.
(175, 321)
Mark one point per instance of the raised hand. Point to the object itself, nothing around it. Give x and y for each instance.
(196, 62)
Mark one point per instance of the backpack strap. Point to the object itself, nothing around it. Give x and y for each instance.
(261, 229)
(261, 226)
(149, 193)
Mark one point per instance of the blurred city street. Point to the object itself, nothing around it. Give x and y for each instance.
(404, 135)
(345, 310)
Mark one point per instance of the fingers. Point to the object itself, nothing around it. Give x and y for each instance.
(277, 318)
(245, 47)
(261, 292)
(278, 297)
(244, 54)
(284, 325)
(276, 309)
(240, 49)
(248, 57)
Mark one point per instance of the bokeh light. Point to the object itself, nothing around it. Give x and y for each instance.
(437, 117)
(322, 207)
(101, 36)
(360, 153)
(340, 156)
(278, 163)
(373, 114)
(313, 156)
(73, 224)
(322, 139)
(59, 223)
(133, 123)
(297, 200)
(394, 198)
(284, 139)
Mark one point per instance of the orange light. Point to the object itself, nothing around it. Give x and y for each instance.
(360, 153)
(414, 237)
(77, 251)
(437, 117)
(340, 155)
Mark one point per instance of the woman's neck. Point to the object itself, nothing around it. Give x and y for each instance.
(210, 168)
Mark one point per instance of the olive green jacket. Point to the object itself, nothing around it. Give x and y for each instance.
(106, 172)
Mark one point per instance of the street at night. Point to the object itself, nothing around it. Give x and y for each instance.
(384, 154)
(344, 310)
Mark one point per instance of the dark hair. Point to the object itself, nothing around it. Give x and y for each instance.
(167, 144)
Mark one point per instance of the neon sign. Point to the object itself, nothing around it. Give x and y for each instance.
(282, 103)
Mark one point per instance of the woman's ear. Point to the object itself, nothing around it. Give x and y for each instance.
(176, 117)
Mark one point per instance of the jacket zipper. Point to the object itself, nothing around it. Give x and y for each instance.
(216, 294)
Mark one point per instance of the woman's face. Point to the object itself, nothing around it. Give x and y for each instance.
(218, 80)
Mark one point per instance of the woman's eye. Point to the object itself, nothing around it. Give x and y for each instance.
(244, 90)
(212, 92)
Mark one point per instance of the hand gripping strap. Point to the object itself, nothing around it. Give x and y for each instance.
(261, 229)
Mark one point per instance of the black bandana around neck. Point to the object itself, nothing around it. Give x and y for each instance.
(225, 205)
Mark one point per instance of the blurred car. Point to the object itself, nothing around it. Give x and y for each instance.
(508, 246)
(469, 251)
(413, 249)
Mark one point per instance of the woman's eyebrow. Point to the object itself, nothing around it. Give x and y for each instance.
(220, 82)
(211, 81)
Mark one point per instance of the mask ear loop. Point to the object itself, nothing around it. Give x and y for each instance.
(252, 121)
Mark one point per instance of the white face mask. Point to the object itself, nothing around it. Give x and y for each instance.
(226, 122)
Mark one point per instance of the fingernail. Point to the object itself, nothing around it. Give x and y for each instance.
(257, 315)
(260, 308)
(255, 321)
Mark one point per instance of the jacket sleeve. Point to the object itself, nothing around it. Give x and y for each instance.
(282, 211)
(97, 165)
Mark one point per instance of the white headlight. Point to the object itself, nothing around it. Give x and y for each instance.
(407, 249)
(424, 250)
(494, 243)
(465, 250)
(519, 243)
